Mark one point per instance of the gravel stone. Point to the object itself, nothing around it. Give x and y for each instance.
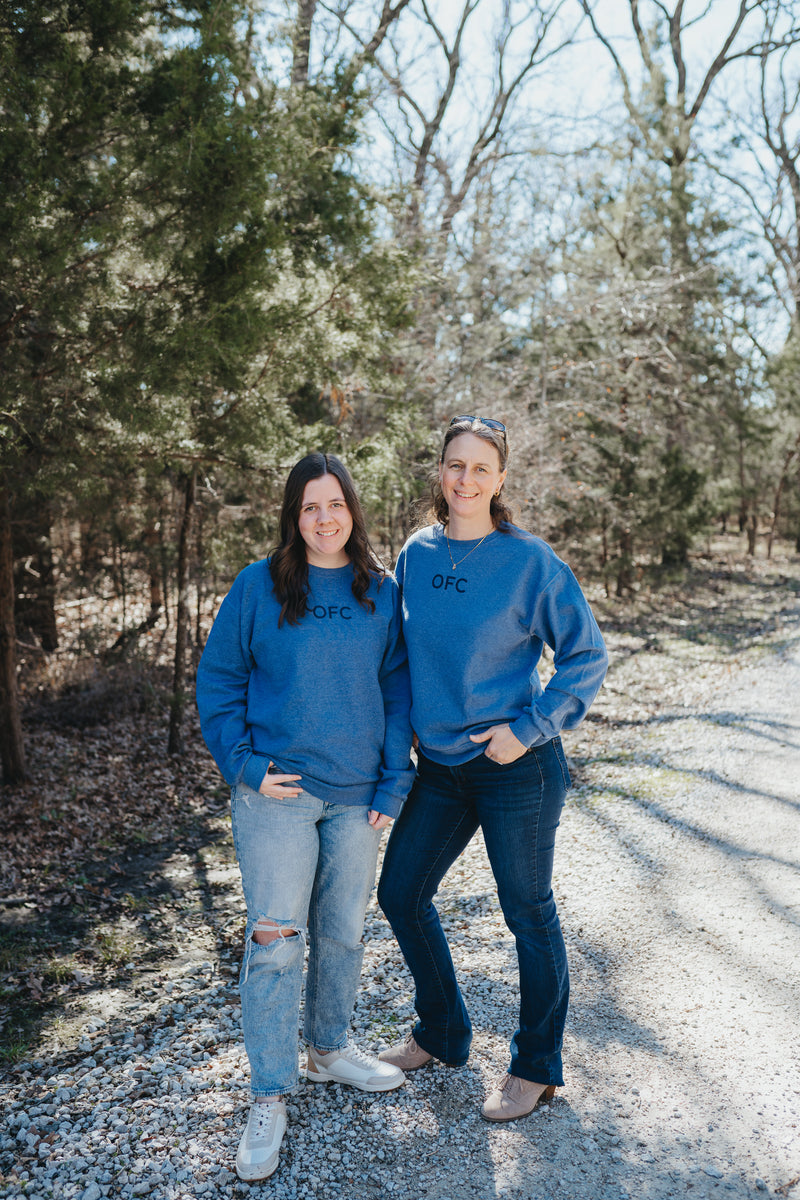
(676, 879)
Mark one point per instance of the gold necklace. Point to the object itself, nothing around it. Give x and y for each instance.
(461, 560)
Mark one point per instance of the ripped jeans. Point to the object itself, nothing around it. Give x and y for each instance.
(305, 863)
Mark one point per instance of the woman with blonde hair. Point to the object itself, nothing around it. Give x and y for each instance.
(480, 598)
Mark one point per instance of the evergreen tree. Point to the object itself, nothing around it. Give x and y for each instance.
(66, 80)
(186, 246)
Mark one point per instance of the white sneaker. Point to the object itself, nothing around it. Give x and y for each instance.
(257, 1157)
(353, 1066)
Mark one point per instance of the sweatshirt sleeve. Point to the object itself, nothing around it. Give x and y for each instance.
(397, 770)
(562, 618)
(223, 677)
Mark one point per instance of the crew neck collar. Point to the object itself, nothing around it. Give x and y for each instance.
(445, 534)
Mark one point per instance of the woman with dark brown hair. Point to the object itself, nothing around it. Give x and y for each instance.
(304, 704)
(480, 597)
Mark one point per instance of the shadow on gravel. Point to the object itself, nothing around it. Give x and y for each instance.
(757, 726)
(108, 924)
(753, 724)
(690, 829)
(725, 608)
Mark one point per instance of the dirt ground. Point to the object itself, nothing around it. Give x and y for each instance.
(677, 883)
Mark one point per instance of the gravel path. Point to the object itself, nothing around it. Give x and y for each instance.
(678, 886)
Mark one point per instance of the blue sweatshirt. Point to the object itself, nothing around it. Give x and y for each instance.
(474, 636)
(327, 699)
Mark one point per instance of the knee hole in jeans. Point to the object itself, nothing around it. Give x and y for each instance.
(266, 931)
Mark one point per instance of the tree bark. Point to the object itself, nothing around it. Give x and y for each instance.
(163, 561)
(752, 534)
(199, 555)
(776, 503)
(35, 583)
(151, 546)
(175, 744)
(12, 749)
(302, 42)
(625, 564)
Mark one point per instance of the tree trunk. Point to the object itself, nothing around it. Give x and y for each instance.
(743, 506)
(153, 569)
(118, 560)
(163, 560)
(12, 749)
(32, 552)
(752, 534)
(776, 503)
(176, 742)
(625, 563)
(199, 554)
(302, 42)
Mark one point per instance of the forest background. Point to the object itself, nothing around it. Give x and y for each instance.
(232, 232)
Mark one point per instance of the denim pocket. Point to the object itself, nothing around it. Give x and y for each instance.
(493, 765)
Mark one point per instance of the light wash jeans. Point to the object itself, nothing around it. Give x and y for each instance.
(304, 863)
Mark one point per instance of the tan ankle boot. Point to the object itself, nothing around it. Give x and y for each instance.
(513, 1097)
(407, 1055)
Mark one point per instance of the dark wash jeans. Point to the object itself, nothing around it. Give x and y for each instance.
(517, 805)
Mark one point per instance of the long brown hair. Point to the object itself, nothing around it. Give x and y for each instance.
(288, 564)
(498, 510)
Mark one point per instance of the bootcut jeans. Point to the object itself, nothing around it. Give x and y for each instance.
(305, 863)
(518, 806)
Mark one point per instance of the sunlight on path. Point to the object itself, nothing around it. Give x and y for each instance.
(681, 895)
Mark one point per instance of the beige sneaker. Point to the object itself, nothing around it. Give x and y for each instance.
(352, 1065)
(407, 1055)
(257, 1157)
(513, 1097)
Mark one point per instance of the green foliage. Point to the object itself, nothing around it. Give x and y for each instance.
(185, 248)
(390, 469)
(783, 375)
(643, 367)
(188, 247)
(198, 278)
(680, 509)
(59, 214)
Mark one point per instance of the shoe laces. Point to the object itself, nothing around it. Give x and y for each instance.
(261, 1121)
(356, 1055)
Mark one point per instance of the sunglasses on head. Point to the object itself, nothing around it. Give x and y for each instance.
(488, 421)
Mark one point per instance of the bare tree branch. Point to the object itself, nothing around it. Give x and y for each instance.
(493, 125)
(722, 59)
(675, 26)
(641, 38)
(606, 41)
(389, 15)
(433, 120)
